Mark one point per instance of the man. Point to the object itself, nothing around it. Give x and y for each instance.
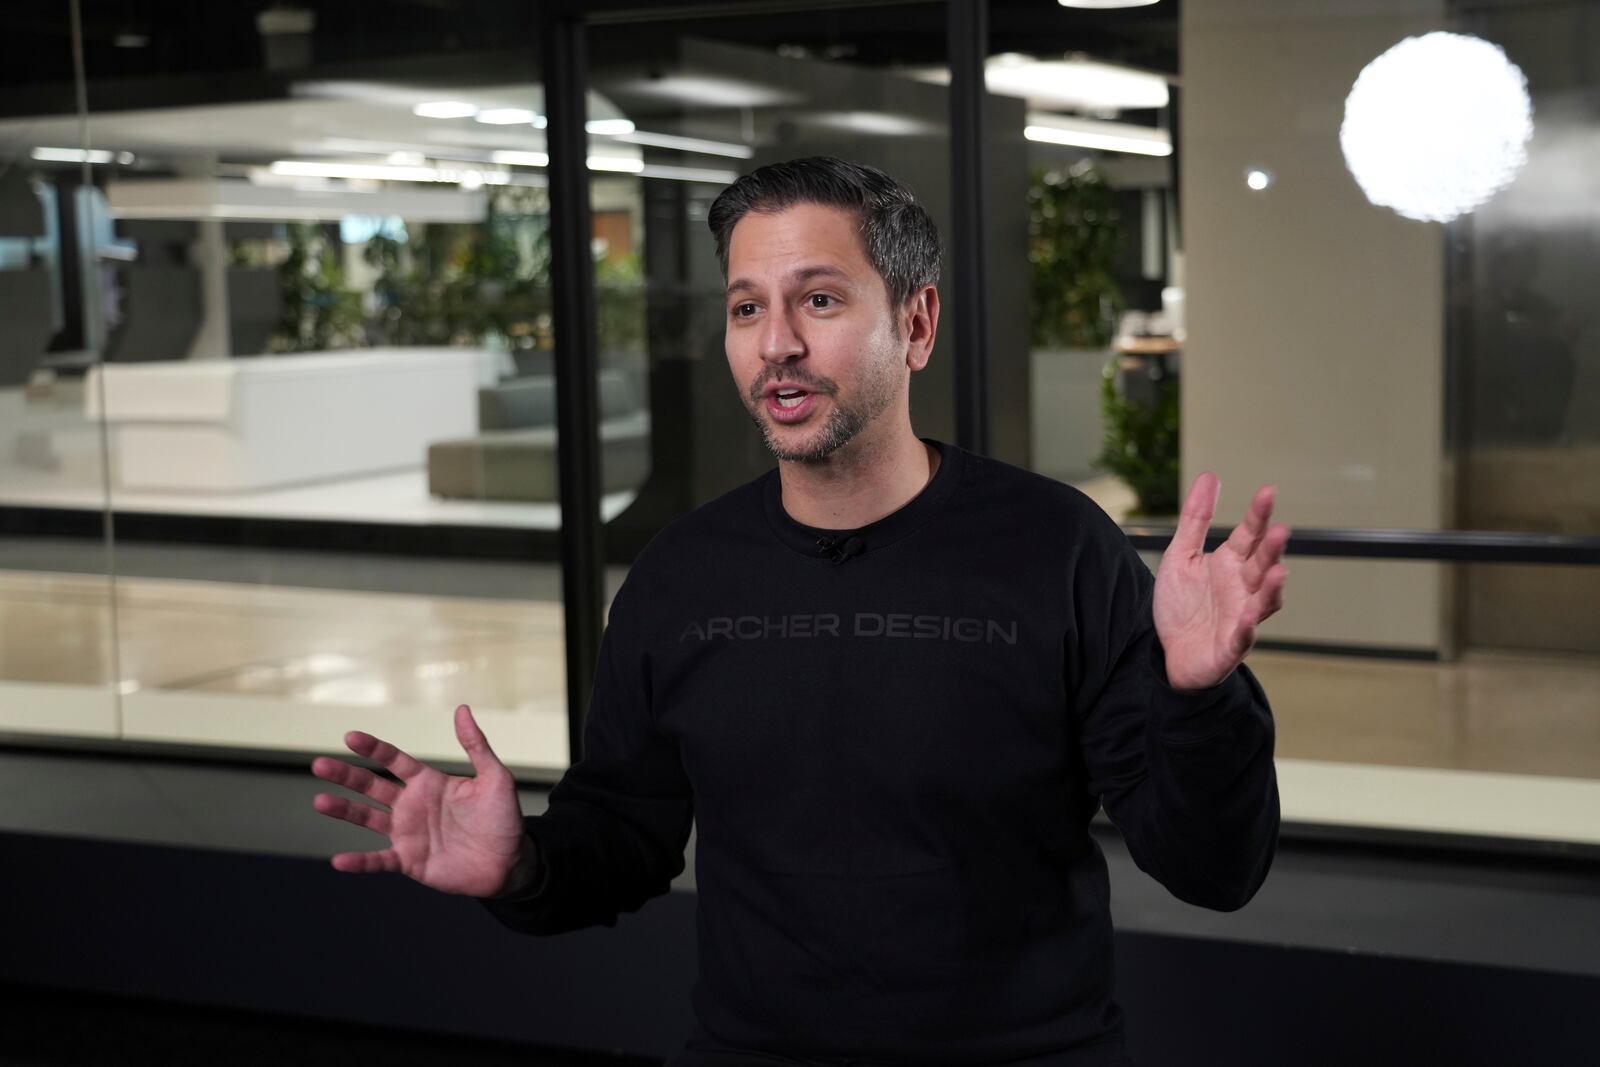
(892, 682)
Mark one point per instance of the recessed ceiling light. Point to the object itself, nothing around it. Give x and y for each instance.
(1257, 179)
(1101, 5)
(445, 109)
(608, 127)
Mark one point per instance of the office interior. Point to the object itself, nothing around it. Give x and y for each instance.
(281, 371)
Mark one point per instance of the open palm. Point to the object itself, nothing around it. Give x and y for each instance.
(454, 834)
(1207, 607)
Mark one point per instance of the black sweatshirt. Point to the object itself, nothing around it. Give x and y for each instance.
(892, 744)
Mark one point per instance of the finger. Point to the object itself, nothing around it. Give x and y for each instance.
(475, 743)
(359, 779)
(1247, 535)
(367, 862)
(1265, 557)
(384, 754)
(351, 811)
(1269, 601)
(1195, 520)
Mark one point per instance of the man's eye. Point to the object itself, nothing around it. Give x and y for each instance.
(743, 310)
(824, 297)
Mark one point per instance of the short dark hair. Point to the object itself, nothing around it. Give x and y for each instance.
(899, 236)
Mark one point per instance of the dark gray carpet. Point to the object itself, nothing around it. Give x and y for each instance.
(49, 1028)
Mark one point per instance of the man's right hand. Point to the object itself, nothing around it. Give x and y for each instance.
(457, 835)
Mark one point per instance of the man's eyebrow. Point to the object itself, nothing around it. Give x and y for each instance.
(799, 274)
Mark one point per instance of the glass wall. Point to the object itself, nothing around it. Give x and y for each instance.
(278, 303)
(1259, 249)
(58, 667)
(705, 100)
(293, 268)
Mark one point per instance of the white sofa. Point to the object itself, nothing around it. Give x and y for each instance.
(241, 425)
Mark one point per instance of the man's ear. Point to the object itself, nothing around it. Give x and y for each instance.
(919, 324)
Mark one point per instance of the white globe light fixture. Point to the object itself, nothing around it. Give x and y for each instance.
(1437, 125)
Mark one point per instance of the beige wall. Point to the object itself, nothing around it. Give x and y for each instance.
(1315, 356)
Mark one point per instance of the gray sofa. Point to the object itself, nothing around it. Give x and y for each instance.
(513, 458)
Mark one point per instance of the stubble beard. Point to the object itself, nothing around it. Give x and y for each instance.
(846, 420)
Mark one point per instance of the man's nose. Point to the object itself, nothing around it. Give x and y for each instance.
(780, 339)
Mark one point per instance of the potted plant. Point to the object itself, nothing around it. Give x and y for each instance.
(1073, 229)
(1139, 405)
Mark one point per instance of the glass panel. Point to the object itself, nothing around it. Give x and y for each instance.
(1265, 278)
(327, 376)
(57, 636)
(680, 109)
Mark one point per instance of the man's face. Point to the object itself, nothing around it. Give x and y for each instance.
(808, 315)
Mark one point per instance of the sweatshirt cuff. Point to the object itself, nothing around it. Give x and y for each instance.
(531, 892)
(1190, 715)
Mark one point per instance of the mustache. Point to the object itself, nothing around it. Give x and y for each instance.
(813, 385)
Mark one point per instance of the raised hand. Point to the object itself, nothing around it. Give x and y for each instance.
(1207, 607)
(458, 835)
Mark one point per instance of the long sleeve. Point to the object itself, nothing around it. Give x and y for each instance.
(617, 823)
(1187, 777)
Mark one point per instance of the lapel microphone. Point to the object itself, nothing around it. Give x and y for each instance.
(840, 550)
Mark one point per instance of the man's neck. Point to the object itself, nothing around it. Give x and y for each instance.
(860, 483)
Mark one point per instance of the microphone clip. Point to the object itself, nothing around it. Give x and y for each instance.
(840, 549)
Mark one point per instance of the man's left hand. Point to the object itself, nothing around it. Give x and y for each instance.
(1207, 607)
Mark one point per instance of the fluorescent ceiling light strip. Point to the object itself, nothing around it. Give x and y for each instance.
(445, 109)
(375, 171)
(1074, 82)
(690, 174)
(520, 116)
(621, 164)
(515, 158)
(616, 163)
(385, 172)
(506, 116)
(688, 144)
(228, 211)
(1105, 140)
(73, 155)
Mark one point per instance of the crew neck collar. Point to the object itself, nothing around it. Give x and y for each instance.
(875, 535)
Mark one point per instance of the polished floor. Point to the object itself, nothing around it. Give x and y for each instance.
(249, 666)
